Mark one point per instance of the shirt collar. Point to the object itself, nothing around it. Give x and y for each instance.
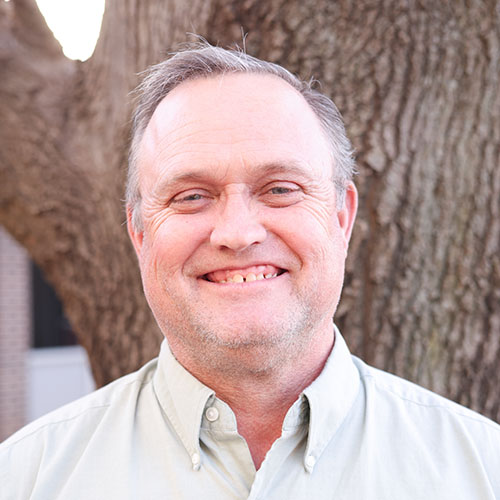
(329, 398)
(182, 398)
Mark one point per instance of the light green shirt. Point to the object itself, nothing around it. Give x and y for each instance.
(355, 433)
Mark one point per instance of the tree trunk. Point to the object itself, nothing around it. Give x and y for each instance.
(417, 83)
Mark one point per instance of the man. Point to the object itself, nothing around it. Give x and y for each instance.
(240, 207)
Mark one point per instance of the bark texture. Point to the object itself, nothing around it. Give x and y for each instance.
(418, 85)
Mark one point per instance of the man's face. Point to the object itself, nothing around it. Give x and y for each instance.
(243, 249)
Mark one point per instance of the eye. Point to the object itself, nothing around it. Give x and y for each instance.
(190, 200)
(281, 190)
(282, 194)
(189, 196)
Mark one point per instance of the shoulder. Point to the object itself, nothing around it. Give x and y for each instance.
(46, 452)
(77, 420)
(429, 422)
(411, 396)
(430, 430)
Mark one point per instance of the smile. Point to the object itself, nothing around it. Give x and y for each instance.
(247, 275)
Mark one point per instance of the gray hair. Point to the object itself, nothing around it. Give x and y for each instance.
(203, 60)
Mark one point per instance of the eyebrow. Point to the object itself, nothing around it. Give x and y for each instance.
(292, 167)
(286, 167)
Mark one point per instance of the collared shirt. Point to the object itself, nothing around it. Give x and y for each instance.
(355, 433)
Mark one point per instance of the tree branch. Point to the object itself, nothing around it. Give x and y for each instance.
(30, 28)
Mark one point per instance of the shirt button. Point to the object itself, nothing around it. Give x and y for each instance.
(310, 462)
(195, 460)
(212, 414)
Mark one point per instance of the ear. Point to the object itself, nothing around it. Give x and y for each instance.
(136, 236)
(347, 214)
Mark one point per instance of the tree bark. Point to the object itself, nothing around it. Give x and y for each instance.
(418, 85)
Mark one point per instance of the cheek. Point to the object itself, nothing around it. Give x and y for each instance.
(311, 234)
(171, 245)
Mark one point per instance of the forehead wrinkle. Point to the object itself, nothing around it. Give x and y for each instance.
(290, 166)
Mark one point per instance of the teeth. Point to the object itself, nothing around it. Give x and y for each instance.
(238, 278)
(271, 275)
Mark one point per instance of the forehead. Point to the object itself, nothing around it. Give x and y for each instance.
(233, 120)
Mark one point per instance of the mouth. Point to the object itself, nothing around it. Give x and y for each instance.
(244, 275)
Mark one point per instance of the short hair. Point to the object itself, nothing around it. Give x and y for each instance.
(203, 60)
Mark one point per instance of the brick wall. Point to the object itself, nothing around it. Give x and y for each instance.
(15, 328)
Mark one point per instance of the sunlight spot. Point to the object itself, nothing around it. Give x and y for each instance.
(75, 23)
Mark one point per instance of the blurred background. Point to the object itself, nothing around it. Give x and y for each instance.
(41, 364)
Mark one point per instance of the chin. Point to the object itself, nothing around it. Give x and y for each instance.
(245, 335)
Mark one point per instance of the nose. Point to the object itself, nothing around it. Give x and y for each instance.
(237, 226)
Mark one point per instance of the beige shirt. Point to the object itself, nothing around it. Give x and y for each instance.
(355, 433)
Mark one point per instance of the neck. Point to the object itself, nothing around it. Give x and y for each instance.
(260, 407)
(261, 394)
